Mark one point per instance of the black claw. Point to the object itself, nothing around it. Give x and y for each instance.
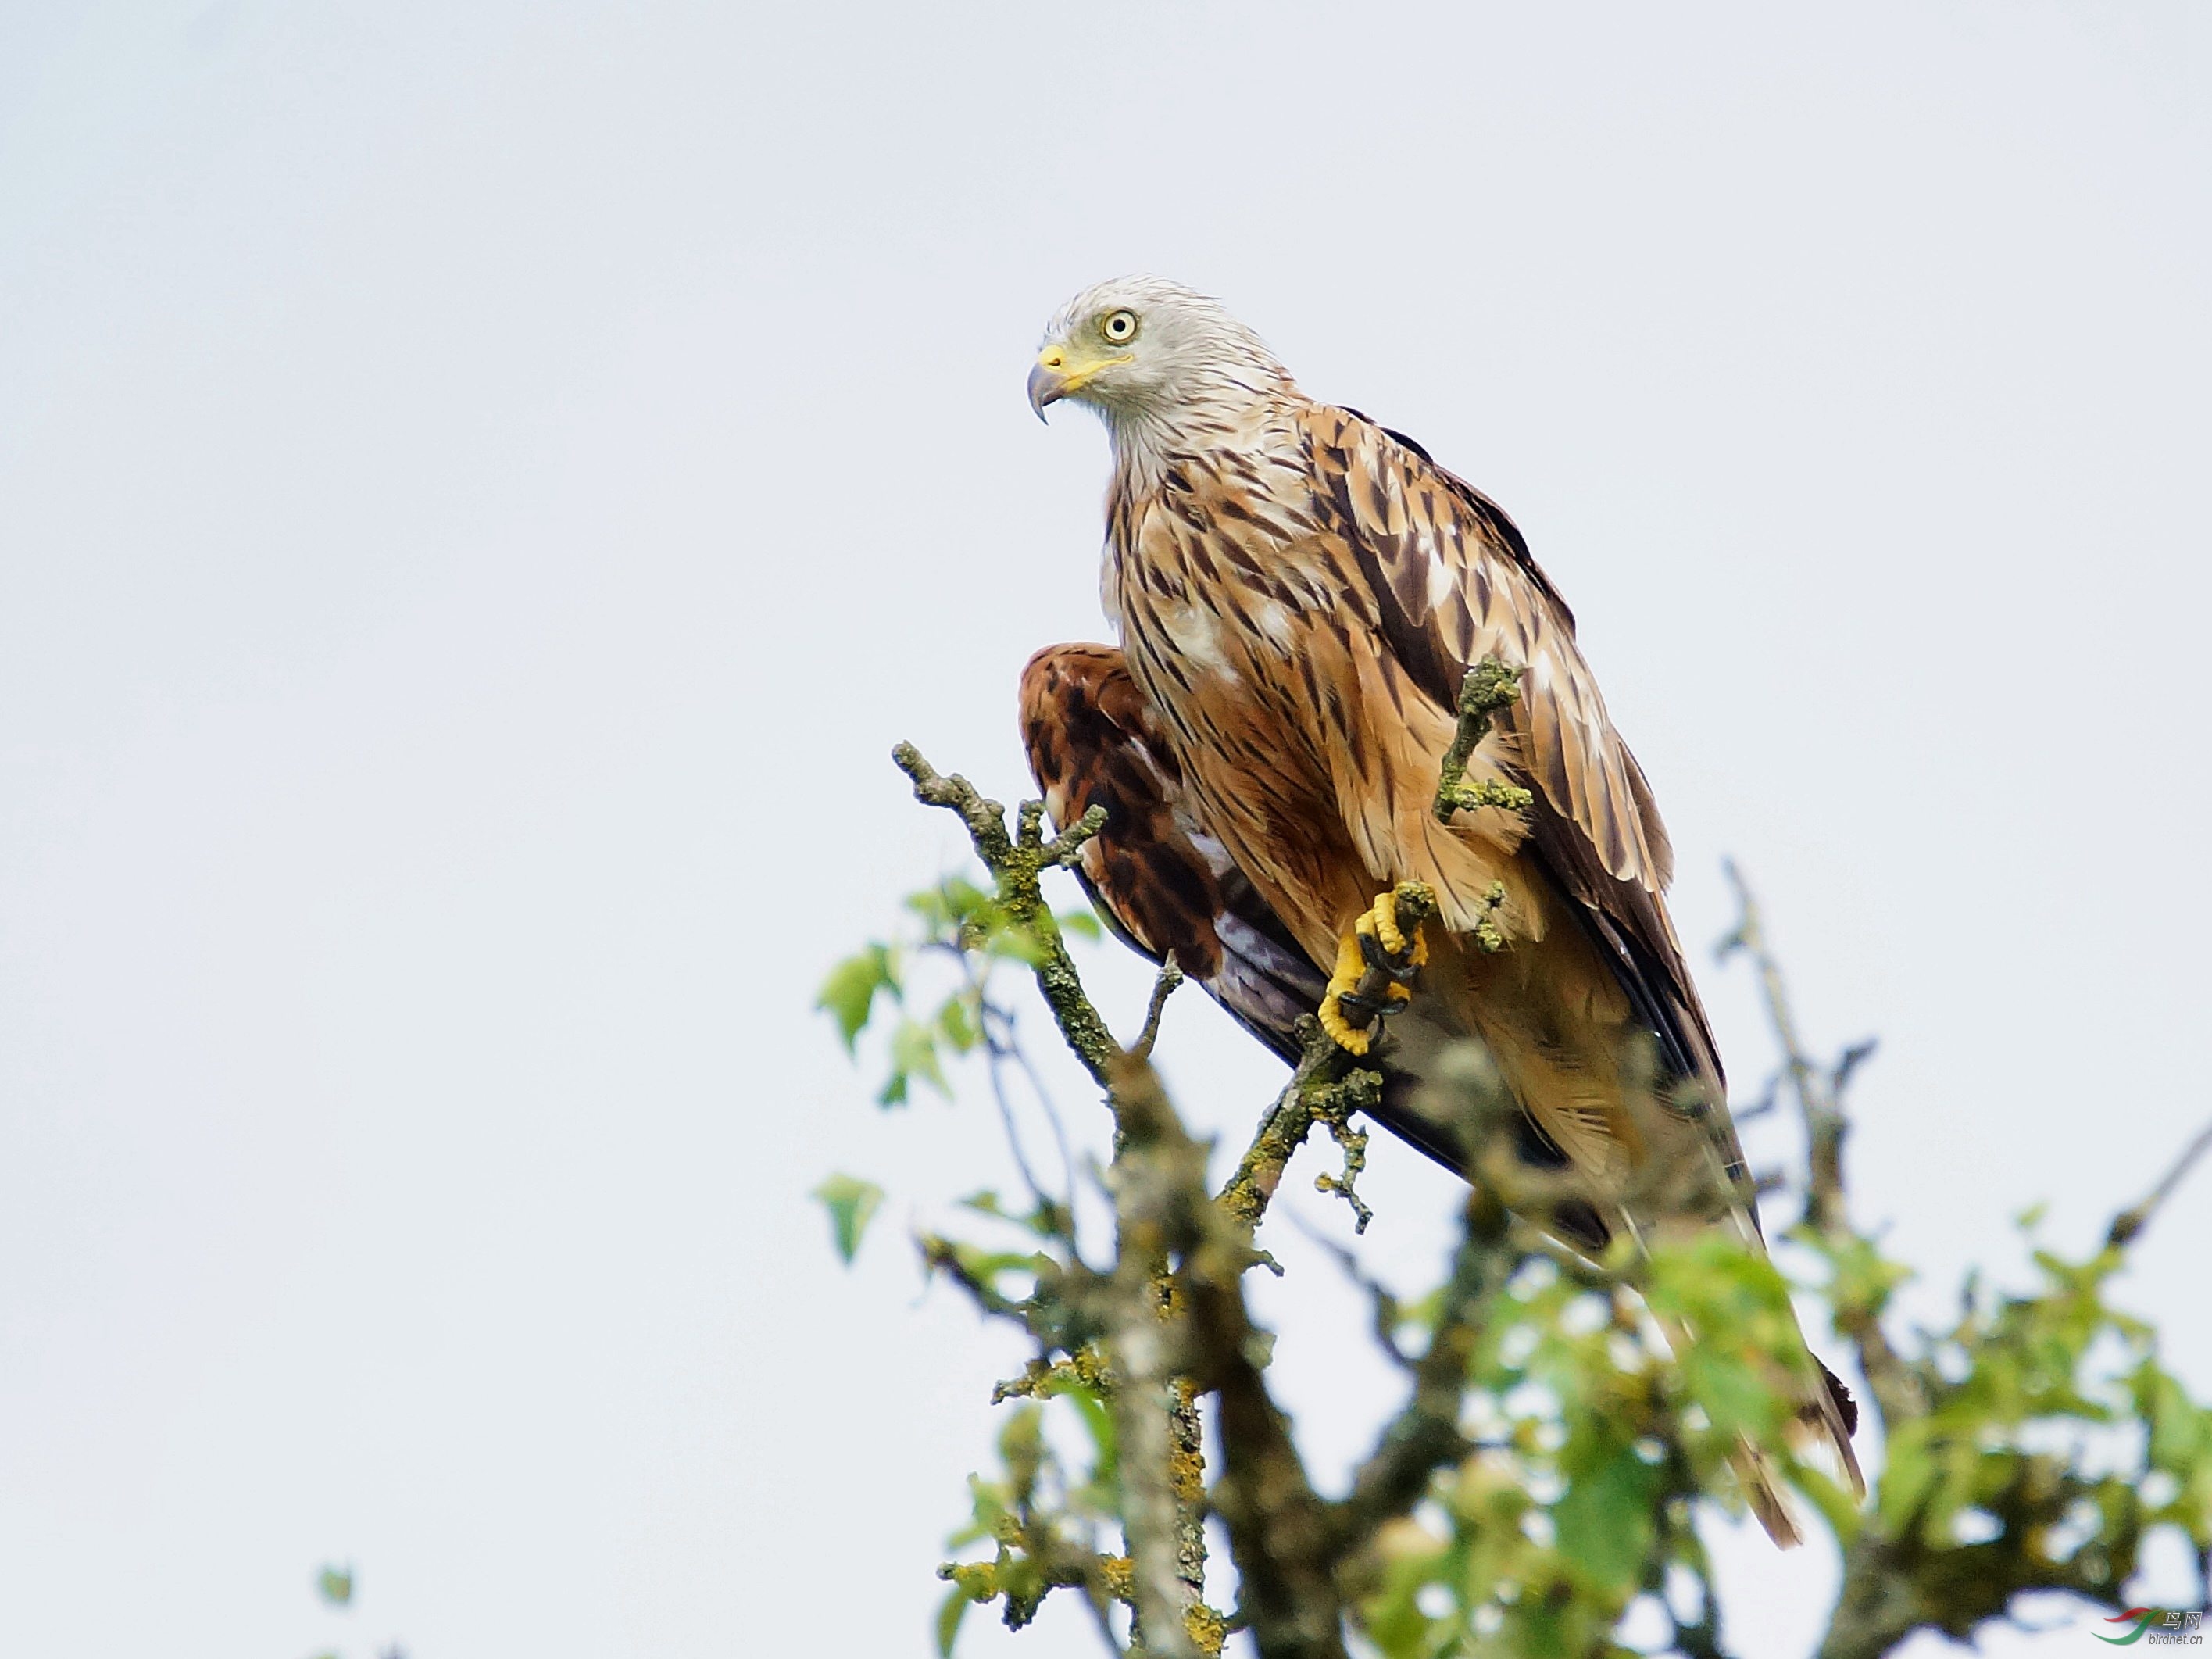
(1400, 968)
(1374, 1007)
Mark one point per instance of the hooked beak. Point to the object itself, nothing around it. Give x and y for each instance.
(1058, 375)
(1048, 379)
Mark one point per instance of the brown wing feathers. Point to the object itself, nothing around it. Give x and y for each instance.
(1159, 880)
(1162, 885)
(1436, 553)
(1439, 556)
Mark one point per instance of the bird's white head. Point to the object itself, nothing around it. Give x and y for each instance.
(1152, 356)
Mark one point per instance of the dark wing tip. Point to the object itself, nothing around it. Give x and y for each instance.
(1846, 1408)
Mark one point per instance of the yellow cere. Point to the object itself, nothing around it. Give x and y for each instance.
(1073, 380)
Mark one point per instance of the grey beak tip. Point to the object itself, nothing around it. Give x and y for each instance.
(1043, 389)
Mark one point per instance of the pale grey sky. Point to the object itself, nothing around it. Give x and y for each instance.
(482, 486)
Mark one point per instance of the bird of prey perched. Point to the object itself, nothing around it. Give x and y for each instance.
(1299, 593)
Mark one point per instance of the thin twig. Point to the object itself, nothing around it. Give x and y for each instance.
(1698, 1638)
(1016, 863)
(1825, 1128)
(1425, 1435)
(1385, 1314)
(1103, 1622)
(1322, 1065)
(1002, 1048)
(940, 1255)
(2130, 1223)
(1020, 1055)
(1898, 1392)
(995, 1054)
(1163, 987)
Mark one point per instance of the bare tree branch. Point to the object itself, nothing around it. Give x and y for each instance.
(1898, 1392)
(1279, 1533)
(1017, 864)
(1425, 1436)
(2130, 1223)
(1163, 987)
(1147, 1182)
(1327, 1079)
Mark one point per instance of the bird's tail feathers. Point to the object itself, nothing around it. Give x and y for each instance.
(1762, 1491)
(1829, 1418)
(1821, 1430)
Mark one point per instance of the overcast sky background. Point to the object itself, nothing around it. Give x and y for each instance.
(482, 486)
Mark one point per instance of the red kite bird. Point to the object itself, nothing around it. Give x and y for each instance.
(1299, 593)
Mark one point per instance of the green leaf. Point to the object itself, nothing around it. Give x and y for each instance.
(953, 900)
(2178, 1435)
(1838, 1507)
(1081, 923)
(1021, 1446)
(956, 1023)
(849, 993)
(1605, 1517)
(1021, 944)
(914, 1054)
(852, 1204)
(334, 1585)
(1098, 1421)
(1908, 1474)
(989, 1265)
(1048, 1220)
(949, 1611)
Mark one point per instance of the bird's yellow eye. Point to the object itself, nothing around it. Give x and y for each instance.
(1119, 327)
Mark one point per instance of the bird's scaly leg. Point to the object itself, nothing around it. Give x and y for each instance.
(1374, 961)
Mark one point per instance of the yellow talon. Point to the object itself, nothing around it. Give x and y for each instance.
(1381, 921)
(1380, 924)
(1351, 964)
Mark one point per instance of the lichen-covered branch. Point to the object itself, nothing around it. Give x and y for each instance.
(1326, 1088)
(1278, 1531)
(1156, 1413)
(1489, 686)
(1148, 1181)
(1016, 863)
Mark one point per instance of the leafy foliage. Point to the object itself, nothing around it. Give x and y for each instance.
(852, 1204)
(954, 922)
(1547, 1473)
(2050, 1443)
(1047, 1524)
(336, 1586)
